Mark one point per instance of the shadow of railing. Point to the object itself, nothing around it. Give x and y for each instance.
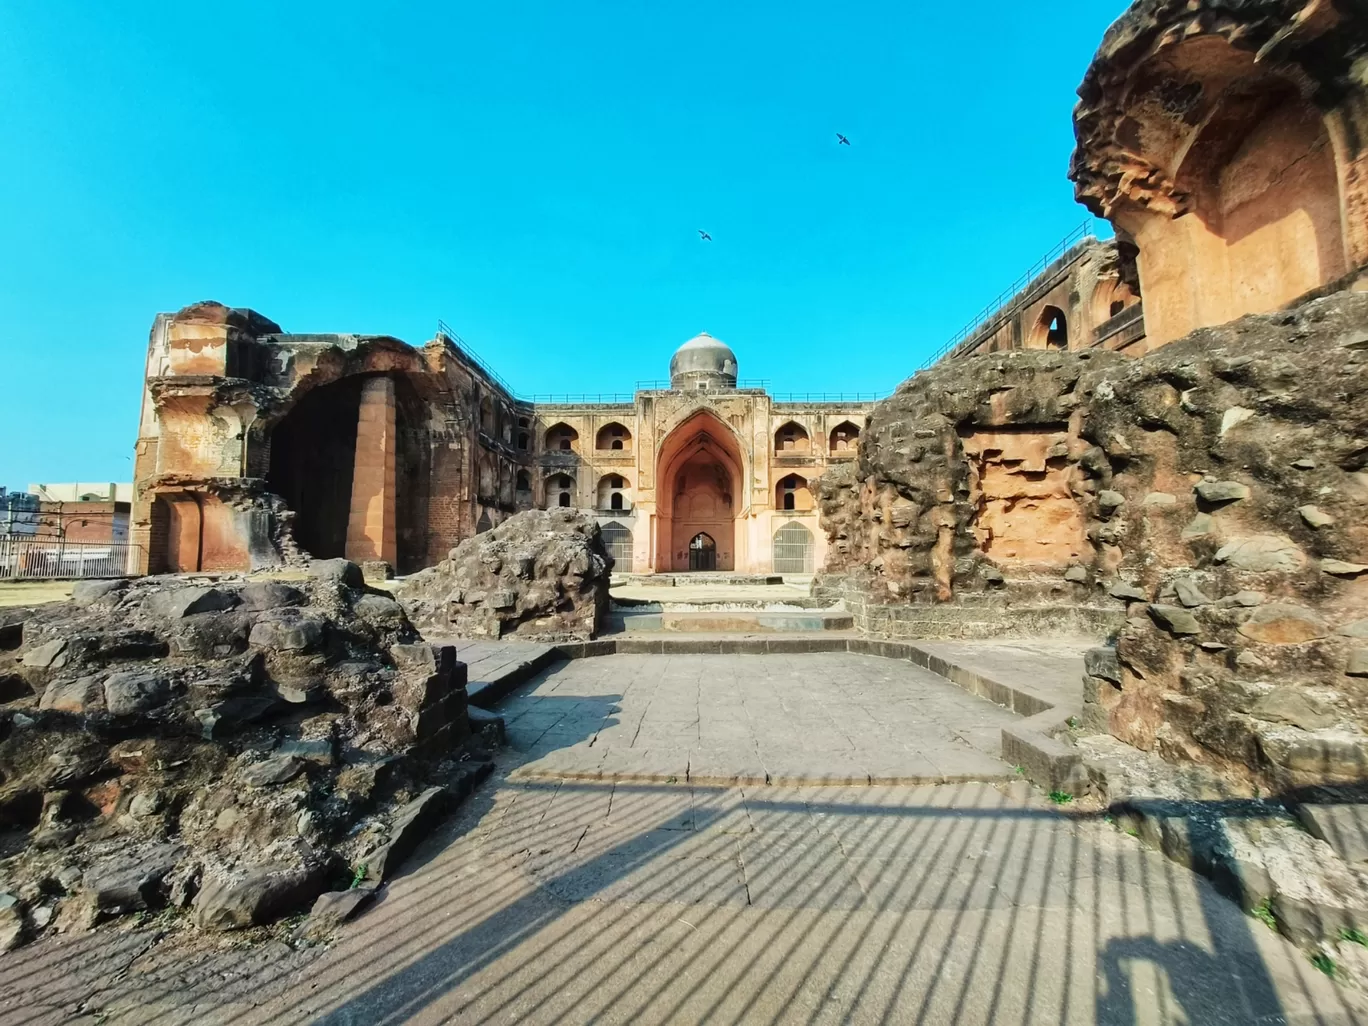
(953, 904)
(561, 901)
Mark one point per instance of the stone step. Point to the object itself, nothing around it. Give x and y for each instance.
(712, 603)
(701, 578)
(740, 621)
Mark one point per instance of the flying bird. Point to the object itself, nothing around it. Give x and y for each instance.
(704, 236)
(842, 140)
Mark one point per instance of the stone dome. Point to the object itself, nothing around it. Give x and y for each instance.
(703, 362)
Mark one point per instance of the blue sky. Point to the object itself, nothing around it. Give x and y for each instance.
(533, 173)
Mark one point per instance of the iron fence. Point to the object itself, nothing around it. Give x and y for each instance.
(25, 557)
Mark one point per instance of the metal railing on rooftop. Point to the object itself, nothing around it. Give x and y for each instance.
(580, 399)
(828, 397)
(445, 333)
(1005, 304)
(758, 384)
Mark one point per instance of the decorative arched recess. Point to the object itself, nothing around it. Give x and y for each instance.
(793, 493)
(792, 439)
(614, 492)
(562, 438)
(613, 437)
(560, 490)
(844, 437)
(700, 487)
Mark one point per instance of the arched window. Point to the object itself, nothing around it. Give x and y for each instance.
(617, 539)
(702, 552)
(559, 489)
(1051, 330)
(488, 418)
(613, 492)
(793, 494)
(843, 437)
(523, 440)
(791, 438)
(793, 549)
(562, 438)
(613, 437)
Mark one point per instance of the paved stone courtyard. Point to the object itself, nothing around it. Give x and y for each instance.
(820, 718)
(568, 900)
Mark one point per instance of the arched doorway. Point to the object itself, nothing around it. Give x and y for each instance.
(617, 539)
(793, 550)
(702, 552)
(700, 491)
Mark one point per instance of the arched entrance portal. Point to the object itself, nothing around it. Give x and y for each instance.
(700, 494)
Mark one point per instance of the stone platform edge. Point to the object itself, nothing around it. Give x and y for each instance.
(1030, 744)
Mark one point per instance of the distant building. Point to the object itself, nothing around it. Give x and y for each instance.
(94, 513)
(18, 513)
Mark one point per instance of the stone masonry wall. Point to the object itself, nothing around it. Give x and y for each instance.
(1219, 484)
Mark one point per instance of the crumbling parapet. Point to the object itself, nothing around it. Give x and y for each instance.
(1231, 142)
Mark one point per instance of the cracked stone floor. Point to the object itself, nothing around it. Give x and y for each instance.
(567, 901)
(819, 718)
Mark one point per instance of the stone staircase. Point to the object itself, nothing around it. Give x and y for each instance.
(720, 603)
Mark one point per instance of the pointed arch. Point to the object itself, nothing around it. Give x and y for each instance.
(844, 437)
(792, 438)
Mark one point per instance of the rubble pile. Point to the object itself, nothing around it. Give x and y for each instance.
(541, 575)
(226, 745)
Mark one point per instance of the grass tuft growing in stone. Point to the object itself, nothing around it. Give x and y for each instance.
(1263, 912)
(1061, 797)
(1324, 963)
(1354, 935)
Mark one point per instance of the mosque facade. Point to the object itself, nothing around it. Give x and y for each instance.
(259, 447)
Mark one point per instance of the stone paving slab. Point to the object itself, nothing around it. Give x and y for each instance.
(824, 718)
(574, 902)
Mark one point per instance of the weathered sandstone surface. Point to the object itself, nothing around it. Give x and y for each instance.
(231, 746)
(541, 574)
(1214, 490)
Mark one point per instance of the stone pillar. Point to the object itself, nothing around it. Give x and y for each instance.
(370, 526)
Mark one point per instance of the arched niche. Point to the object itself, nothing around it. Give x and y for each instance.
(560, 490)
(844, 438)
(792, 439)
(614, 493)
(793, 494)
(613, 437)
(562, 438)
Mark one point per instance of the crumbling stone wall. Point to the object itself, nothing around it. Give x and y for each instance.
(231, 746)
(1229, 142)
(541, 574)
(1221, 484)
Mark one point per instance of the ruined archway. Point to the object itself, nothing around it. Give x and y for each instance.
(361, 501)
(700, 491)
(312, 453)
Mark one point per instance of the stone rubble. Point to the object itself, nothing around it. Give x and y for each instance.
(541, 575)
(338, 732)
